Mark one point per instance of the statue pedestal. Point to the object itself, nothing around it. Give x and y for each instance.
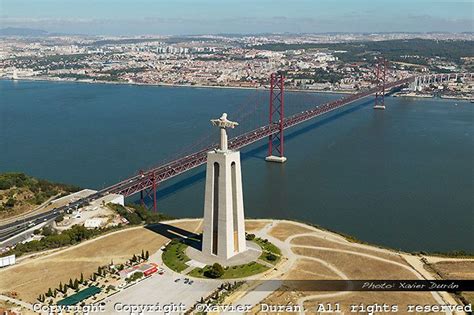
(224, 226)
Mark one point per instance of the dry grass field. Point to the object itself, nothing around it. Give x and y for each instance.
(358, 267)
(283, 230)
(319, 256)
(326, 256)
(34, 276)
(306, 269)
(255, 225)
(320, 242)
(456, 270)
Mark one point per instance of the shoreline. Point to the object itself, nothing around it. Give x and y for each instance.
(259, 88)
(200, 86)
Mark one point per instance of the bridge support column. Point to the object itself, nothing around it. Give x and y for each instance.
(276, 118)
(149, 192)
(380, 72)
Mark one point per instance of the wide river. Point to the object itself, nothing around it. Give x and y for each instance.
(401, 178)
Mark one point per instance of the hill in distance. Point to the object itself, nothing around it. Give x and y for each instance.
(16, 31)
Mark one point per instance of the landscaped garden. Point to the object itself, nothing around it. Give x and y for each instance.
(175, 258)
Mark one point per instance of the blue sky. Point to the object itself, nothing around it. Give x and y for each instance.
(131, 17)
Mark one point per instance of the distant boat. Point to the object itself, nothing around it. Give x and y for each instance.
(472, 100)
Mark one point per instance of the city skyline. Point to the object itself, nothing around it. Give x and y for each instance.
(242, 17)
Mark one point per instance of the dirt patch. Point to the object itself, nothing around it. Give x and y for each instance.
(358, 267)
(255, 225)
(283, 230)
(455, 270)
(306, 269)
(321, 242)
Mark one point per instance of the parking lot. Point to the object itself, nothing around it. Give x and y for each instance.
(157, 292)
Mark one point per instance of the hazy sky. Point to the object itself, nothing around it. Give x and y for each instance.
(126, 17)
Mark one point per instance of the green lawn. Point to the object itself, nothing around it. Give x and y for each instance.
(239, 271)
(174, 256)
(267, 246)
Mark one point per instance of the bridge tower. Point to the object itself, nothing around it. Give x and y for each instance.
(276, 118)
(380, 73)
(149, 192)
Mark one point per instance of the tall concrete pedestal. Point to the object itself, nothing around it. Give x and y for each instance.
(224, 227)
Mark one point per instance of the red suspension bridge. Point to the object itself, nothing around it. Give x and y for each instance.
(146, 182)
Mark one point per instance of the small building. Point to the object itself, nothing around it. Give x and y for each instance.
(7, 261)
(94, 223)
(147, 269)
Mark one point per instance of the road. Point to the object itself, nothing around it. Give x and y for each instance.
(7, 231)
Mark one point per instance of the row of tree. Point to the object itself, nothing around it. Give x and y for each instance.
(72, 284)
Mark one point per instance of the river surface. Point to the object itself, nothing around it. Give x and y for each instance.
(401, 178)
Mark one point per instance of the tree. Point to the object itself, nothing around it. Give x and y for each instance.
(147, 255)
(59, 218)
(61, 287)
(271, 257)
(76, 284)
(71, 285)
(250, 237)
(142, 254)
(49, 293)
(82, 278)
(10, 203)
(215, 271)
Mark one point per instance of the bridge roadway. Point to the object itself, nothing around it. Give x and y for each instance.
(174, 168)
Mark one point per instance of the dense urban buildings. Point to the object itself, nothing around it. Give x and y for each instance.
(319, 62)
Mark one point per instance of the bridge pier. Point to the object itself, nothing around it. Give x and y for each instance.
(149, 192)
(380, 72)
(276, 118)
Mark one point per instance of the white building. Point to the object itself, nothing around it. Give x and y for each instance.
(94, 223)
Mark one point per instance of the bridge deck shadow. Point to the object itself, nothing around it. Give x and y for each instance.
(254, 153)
(173, 232)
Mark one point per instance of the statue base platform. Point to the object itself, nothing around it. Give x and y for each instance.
(252, 253)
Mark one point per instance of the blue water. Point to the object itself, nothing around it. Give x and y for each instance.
(402, 177)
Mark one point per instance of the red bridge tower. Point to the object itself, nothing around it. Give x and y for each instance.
(380, 73)
(276, 140)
